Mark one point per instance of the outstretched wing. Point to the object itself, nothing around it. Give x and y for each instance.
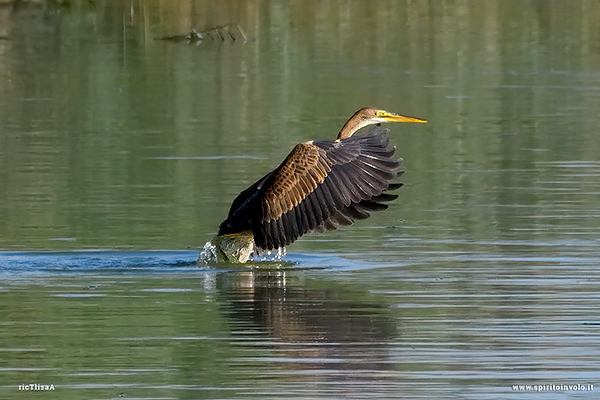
(320, 185)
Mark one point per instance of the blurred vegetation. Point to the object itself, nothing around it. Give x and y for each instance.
(102, 125)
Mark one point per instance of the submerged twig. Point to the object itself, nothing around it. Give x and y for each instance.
(196, 36)
(242, 32)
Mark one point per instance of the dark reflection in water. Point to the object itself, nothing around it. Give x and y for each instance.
(317, 326)
(152, 324)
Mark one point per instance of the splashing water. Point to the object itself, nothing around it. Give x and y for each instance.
(271, 255)
(208, 254)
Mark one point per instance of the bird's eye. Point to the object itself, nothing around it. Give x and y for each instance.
(379, 113)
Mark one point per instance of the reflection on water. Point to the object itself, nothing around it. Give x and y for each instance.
(483, 275)
(123, 325)
(266, 301)
(152, 324)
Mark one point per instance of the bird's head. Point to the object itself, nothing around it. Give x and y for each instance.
(369, 116)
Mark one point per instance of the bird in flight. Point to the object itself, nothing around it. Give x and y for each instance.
(321, 185)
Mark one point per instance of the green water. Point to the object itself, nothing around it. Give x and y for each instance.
(481, 276)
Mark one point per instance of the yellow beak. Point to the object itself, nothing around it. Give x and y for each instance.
(386, 116)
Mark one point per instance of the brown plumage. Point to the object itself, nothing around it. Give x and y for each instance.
(321, 184)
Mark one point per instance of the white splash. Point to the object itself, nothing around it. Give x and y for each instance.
(270, 255)
(208, 254)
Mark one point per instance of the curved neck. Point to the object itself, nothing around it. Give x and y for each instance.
(352, 125)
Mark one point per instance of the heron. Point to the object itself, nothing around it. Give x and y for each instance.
(321, 185)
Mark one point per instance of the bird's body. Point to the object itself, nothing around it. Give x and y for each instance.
(322, 184)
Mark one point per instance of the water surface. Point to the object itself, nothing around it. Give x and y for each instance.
(120, 155)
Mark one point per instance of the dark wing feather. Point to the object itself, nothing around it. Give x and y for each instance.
(243, 209)
(320, 185)
(363, 209)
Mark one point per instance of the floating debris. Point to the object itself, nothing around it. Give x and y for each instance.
(220, 33)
